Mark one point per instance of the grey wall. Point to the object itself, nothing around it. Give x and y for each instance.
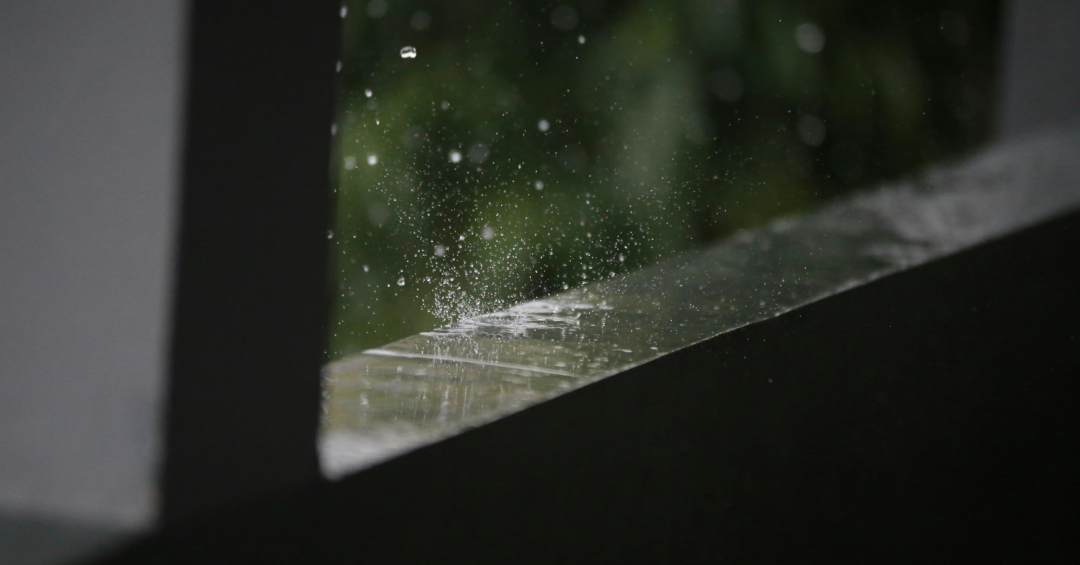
(89, 122)
(1041, 74)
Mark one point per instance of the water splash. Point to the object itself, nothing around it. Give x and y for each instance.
(483, 366)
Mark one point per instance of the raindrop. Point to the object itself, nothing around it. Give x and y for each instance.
(811, 130)
(478, 153)
(401, 281)
(344, 10)
(330, 234)
(372, 159)
(455, 156)
(581, 39)
(445, 105)
(337, 67)
(350, 163)
(376, 8)
(488, 233)
(408, 52)
(810, 38)
(543, 125)
(420, 21)
(726, 85)
(367, 92)
(564, 18)
(366, 268)
(440, 251)
(333, 129)
(539, 185)
(378, 214)
(699, 128)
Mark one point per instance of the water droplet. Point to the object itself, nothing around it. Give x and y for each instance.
(440, 251)
(344, 10)
(401, 281)
(350, 163)
(372, 159)
(330, 234)
(478, 153)
(543, 125)
(367, 92)
(333, 129)
(408, 52)
(366, 268)
(564, 18)
(455, 156)
(811, 130)
(377, 8)
(445, 105)
(581, 39)
(488, 233)
(539, 185)
(420, 21)
(726, 85)
(337, 68)
(810, 38)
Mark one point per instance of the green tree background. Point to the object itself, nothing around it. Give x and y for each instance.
(530, 147)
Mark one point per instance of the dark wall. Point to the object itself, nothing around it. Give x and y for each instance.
(926, 416)
(249, 314)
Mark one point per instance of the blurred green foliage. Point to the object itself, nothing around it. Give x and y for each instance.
(534, 146)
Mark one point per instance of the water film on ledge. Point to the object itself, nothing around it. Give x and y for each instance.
(393, 399)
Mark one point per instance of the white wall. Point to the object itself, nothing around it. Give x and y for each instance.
(1041, 72)
(90, 94)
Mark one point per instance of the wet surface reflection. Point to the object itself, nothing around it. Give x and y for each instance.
(429, 386)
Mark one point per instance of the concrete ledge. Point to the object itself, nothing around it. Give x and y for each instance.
(928, 412)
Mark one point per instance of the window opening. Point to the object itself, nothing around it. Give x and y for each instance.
(489, 152)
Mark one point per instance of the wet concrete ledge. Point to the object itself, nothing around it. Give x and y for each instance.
(427, 387)
(922, 405)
